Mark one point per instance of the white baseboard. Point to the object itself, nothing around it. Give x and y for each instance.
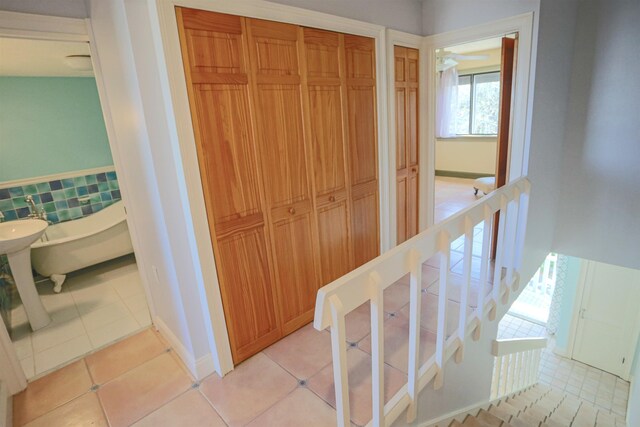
(198, 369)
(205, 366)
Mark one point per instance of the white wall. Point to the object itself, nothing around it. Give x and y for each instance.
(402, 15)
(599, 212)
(633, 412)
(472, 154)
(150, 194)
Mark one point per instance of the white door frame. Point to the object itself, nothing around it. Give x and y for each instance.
(53, 28)
(399, 38)
(520, 114)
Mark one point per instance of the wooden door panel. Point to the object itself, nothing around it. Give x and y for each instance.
(295, 269)
(322, 50)
(360, 58)
(247, 292)
(326, 138)
(214, 55)
(400, 63)
(282, 147)
(401, 128)
(412, 208)
(362, 134)
(407, 143)
(227, 150)
(401, 200)
(334, 243)
(365, 227)
(412, 127)
(363, 150)
(412, 65)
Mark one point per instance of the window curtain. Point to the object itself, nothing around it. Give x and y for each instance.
(446, 102)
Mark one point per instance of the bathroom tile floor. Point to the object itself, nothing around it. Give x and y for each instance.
(97, 306)
(605, 391)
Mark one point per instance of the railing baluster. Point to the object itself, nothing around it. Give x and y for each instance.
(339, 354)
(466, 287)
(415, 299)
(444, 245)
(377, 349)
(504, 375)
(495, 382)
(497, 268)
(512, 371)
(510, 238)
(484, 262)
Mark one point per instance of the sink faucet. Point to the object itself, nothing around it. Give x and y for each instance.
(34, 209)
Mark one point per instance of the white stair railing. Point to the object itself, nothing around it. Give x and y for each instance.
(516, 366)
(368, 282)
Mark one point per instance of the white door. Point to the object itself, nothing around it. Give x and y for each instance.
(609, 318)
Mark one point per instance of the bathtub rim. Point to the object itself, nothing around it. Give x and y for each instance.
(110, 224)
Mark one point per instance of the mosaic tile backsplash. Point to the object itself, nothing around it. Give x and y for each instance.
(62, 199)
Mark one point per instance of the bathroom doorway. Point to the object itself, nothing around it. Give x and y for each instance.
(57, 167)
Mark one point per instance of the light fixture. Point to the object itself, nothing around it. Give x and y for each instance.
(79, 62)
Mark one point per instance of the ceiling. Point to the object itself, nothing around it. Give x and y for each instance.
(40, 58)
(476, 46)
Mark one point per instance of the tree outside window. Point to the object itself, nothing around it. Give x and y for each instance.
(478, 104)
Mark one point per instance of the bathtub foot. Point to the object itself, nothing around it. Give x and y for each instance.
(58, 280)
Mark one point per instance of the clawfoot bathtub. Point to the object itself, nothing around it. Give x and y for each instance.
(72, 245)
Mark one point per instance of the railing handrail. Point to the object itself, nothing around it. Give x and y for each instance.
(452, 225)
(368, 282)
(517, 345)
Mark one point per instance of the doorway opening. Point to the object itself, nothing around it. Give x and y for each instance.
(473, 101)
(534, 303)
(57, 171)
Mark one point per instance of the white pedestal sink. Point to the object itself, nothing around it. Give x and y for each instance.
(16, 238)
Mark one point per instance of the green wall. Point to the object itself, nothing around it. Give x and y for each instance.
(50, 125)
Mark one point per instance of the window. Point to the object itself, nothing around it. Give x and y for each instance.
(478, 104)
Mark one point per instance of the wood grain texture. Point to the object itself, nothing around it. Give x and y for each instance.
(215, 61)
(407, 142)
(287, 170)
(324, 90)
(363, 154)
(285, 128)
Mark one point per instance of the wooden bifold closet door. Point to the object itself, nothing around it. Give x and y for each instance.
(407, 171)
(287, 152)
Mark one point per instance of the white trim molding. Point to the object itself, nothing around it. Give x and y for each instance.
(55, 176)
(30, 26)
(399, 38)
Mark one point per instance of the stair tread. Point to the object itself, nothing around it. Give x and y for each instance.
(472, 421)
(517, 422)
(455, 423)
(530, 418)
(489, 418)
(506, 406)
(501, 413)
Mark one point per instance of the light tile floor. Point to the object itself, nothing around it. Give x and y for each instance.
(286, 382)
(452, 195)
(97, 306)
(605, 391)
